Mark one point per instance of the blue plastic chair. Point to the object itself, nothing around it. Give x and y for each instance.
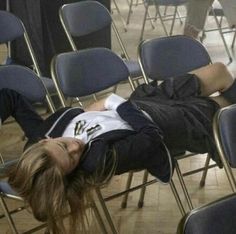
(165, 57)
(224, 129)
(217, 217)
(12, 28)
(82, 18)
(85, 72)
(24, 81)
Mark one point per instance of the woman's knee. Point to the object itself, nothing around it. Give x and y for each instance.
(222, 75)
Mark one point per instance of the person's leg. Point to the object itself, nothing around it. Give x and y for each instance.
(197, 11)
(214, 77)
(15, 105)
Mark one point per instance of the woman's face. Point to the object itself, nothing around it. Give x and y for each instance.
(66, 151)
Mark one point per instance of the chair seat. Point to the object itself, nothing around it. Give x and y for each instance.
(6, 188)
(134, 68)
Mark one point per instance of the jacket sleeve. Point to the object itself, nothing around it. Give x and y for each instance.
(144, 148)
(133, 115)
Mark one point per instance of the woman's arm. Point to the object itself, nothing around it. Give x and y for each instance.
(145, 148)
(109, 103)
(96, 106)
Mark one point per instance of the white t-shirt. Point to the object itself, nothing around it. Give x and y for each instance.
(89, 125)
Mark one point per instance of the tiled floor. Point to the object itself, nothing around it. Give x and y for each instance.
(160, 213)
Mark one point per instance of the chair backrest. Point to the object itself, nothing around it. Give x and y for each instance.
(217, 217)
(85, 17)
(12, 28)
(225, 130)
(85, 72)
(165, 57)
(24, 81)
(82, 18)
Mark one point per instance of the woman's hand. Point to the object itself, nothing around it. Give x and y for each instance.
(109, 103)
(96, 106)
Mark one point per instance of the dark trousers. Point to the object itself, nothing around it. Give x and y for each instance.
(15, 105)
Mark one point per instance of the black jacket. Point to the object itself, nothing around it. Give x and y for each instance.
(141, 148)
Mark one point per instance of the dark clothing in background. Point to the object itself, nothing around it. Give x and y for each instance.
(41, 19)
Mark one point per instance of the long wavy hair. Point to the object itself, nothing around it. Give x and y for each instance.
(51, 194)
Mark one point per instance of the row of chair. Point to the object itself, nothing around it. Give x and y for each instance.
(215, 11)
(77, 74)
(93, 54)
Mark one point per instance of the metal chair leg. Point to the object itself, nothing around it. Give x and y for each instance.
(99, 218)
(128, 185)
(233, 41)
(162, 22)
(120, 15)
(9, 218)
(222, 37)
(173, 21)
(204, 174)
(177, 198)
(179, 17)
(106, 212)
(184, 188)
(143, 190)
(129, 12)
(144, 21)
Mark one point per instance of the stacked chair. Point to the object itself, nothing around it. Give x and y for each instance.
(82, 73)
(217, 217)
(12, 29)
(165, 57)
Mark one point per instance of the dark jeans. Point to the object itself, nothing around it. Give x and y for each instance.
(17, 106)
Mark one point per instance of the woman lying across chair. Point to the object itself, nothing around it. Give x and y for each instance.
(75, 150)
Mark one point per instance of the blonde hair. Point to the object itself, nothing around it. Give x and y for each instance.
(50, 193)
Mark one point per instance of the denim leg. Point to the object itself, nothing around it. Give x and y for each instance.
(15, 105)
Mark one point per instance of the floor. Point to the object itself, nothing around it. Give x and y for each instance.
(160, 214)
